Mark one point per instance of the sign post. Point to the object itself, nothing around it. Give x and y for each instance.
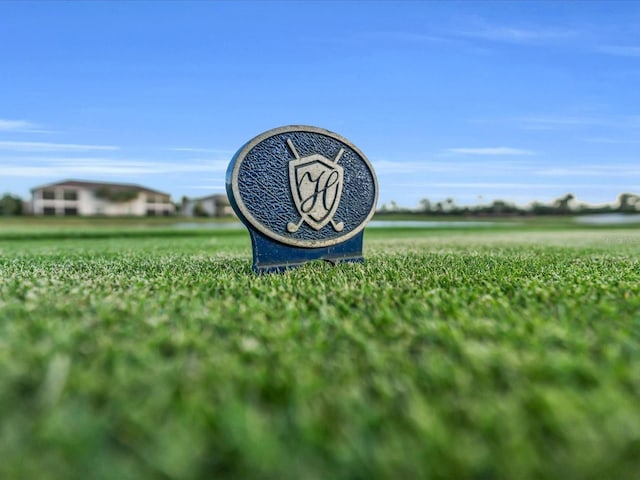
(305, 194)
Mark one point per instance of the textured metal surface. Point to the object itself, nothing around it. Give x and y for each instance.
(270, 256)
(260, 190)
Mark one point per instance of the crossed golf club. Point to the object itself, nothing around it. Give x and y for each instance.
(293, 227)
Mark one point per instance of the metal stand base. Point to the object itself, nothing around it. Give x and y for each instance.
(270, 256)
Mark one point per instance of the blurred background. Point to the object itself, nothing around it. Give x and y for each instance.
(463, 108)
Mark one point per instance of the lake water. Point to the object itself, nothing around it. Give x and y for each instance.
(608, 219)
(372, 224)
(208, 225)
(430, 224)
(601, 219)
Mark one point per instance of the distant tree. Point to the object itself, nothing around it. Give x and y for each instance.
(499, 207)
(392, 207)
(450, 204)
(581, 208)
(424, 205)
(222, 206)
(180, 207)
(538, 208)
(628, 202)
(562, 204)
(199, 211)
(10, 205)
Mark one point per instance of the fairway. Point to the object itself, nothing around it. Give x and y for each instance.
(504, 352)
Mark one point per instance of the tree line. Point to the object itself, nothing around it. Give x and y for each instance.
(11, 205)
(565, 205)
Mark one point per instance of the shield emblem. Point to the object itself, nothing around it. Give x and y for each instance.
(316, 186)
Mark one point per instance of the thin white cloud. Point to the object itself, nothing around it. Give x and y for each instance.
(414, 167)
(552, 122)
(610, 141)
(206, 187)
(506, 185)
(61, 166)
(53, 171)
(194, 166)
(51, 147)
(457, 167)
(483, 30)
(405, 36)
(559, 122)
(21, 126)
(199, 150)
(15, 125)
(516, 34)
(490, 151)
(386, 166)
(81, 167)
(609, 170)
(620, 50)
(502, 185)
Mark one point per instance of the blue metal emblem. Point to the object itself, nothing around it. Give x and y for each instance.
(305, 194)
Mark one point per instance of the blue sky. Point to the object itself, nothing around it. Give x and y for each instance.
(474, 101)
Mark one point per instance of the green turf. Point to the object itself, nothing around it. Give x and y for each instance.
(489, 353)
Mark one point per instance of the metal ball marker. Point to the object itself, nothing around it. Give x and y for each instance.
(304, 193)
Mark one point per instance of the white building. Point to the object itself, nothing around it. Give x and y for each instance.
(212, 206)
(76, 197)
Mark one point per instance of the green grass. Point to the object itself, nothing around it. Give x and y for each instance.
(490, 353)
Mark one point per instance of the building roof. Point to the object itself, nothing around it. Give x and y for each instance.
(96, 185)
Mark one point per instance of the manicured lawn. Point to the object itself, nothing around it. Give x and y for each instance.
(506, 352)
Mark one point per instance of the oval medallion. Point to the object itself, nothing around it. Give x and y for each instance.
(302, 186)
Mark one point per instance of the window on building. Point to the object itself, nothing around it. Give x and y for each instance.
(49, 211)
(166, 213)
(70, 195)
(48, 195)
(151, 199)
(151, 212)
(71, 211)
